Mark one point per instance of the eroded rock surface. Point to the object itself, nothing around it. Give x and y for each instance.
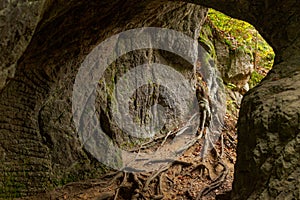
(39, 145)
(18, 20)
(269, 137)
(234, 64)
(267, 166)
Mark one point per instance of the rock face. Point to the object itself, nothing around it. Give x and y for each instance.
(18, 20)
(234, 64)
(267, 165)
(39, 146)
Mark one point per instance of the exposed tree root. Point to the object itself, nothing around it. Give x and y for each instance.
(216, 183)
(152, 186)
(201, 168)
(121, 185)
(192, 177)
(105, 195)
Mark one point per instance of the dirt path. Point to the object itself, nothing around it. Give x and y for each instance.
(189, 177)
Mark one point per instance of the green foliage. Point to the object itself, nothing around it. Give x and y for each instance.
(231, 86)
(206, 39)
(240, 34)
(235, 32)
(255, 79)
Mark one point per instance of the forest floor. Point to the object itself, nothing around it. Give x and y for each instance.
(189, 177)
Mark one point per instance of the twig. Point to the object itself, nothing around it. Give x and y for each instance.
(165, 139)
(183, 163)
(110, 174)
(178, 131)
(169, 179)
(185, 147)
(136, 179)
(117, 194)
(144, 145)
(167, 160)
(229, 157)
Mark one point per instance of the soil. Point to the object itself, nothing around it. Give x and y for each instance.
(189, 177)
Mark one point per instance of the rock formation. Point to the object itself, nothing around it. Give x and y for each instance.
(268, 164)
(39, 146)
(42, 50)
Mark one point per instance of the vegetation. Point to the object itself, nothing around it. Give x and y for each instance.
(242, 35)
(255, 79)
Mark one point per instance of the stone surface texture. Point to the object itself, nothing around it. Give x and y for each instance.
(43, 44)
(267, 164)
(18, 20)
(39, 146)
(234, 64)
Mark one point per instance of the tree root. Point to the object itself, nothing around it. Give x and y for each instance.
(153, 176)
(202, 167)
(121, 185)
(216, 183)
(105, 195)
(144, 185)
(152, 185)
(175, 132)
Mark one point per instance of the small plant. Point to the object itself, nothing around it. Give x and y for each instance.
(255, 79)
(231, 86)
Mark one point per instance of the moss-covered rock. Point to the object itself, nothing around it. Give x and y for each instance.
(234, 64)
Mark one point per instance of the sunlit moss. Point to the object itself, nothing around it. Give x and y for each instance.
(240, 34)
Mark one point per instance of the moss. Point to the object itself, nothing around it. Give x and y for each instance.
(10, 187)
(239, 34)
(255, 79)
(205, 39)
(77, 175)
(246, 51)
